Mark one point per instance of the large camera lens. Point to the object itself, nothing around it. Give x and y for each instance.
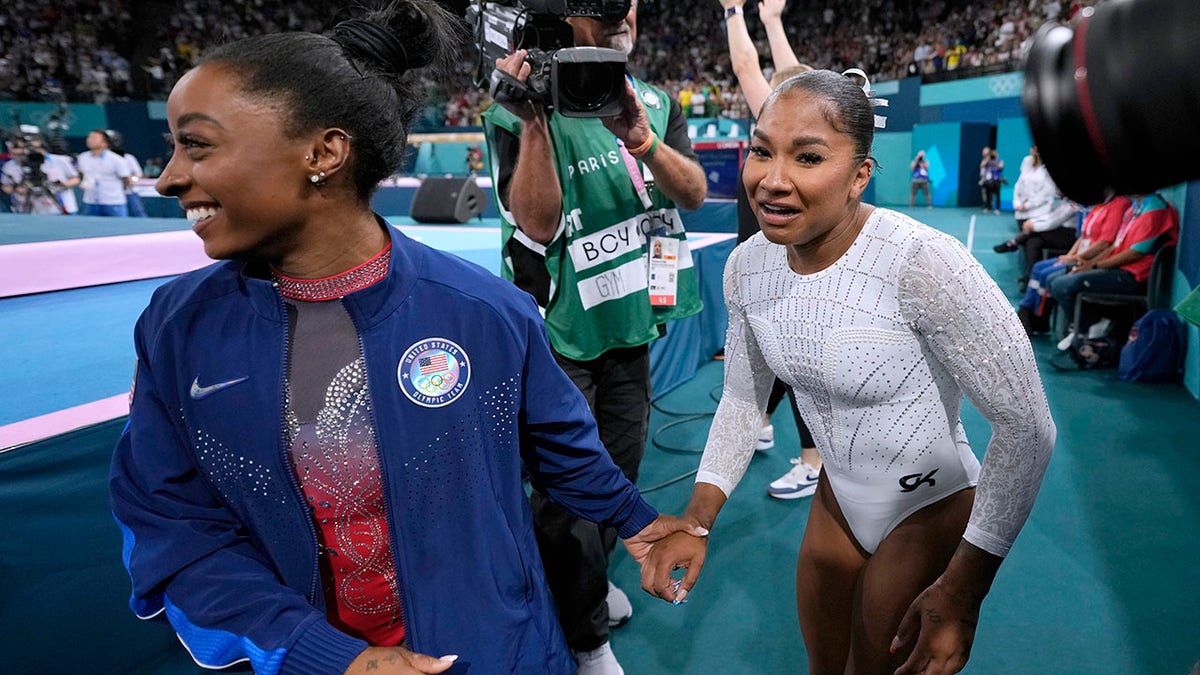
(588, 81)
(589, 87)
(1114, 105)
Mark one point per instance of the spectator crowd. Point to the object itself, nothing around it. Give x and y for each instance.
(84, 50)
(68, 50)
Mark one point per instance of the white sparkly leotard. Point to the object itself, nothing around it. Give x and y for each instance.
(880, 348)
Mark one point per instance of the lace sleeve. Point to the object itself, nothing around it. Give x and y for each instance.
(969, 326)
(744, 397)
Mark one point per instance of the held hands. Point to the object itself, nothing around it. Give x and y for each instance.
(676, 544)
(1084, 266)
(630, 125)
(397, 661)
(643, 543)
(942, 624)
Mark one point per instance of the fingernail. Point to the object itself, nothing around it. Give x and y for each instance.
(449, 657)
(701, 532)
(681, 596)
(895, 644)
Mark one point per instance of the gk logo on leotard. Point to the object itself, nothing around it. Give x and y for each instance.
(913, 481)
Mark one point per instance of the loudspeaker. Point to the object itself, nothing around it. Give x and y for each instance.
(447, 200)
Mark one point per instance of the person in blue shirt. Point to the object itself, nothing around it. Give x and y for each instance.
(991, 177)
(920, 180)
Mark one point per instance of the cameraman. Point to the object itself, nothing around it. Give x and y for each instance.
(38, 182)
(581, 212)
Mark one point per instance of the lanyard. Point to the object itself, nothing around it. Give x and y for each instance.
(635, 176)
(631, 165)
(1129, 216)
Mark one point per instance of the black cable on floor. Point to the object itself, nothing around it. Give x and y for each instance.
(673, 481)
(684, 417)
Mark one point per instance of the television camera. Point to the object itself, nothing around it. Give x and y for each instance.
(575, 81)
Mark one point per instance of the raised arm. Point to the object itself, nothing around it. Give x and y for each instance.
(770, 12)
(677, 175)
(534, 196)
(744, 56)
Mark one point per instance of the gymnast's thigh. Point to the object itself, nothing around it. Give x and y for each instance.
(827, 572)
(910, 558)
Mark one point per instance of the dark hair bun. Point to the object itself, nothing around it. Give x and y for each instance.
(373, 44)
(403, 36)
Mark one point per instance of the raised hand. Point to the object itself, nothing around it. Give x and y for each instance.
(771, 10)
(516, 67)
(630, 125)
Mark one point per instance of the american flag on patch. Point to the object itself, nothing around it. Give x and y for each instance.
(433, 364)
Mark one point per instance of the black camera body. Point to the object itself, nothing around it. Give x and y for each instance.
(31, 169)
(27, 155)
(575, 81)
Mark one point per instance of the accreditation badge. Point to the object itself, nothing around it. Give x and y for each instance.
(664, 270)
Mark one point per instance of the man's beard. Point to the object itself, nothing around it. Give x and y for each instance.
(622, 43)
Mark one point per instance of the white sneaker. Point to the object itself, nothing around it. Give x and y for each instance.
(619, 607)
(1065, 343)
(599, 661)
(766, 438)
(800, 481)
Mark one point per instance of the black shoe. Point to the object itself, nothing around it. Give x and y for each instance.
(1006, 247)
(1033, 324)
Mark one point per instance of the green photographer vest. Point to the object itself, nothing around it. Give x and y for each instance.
(598, 260)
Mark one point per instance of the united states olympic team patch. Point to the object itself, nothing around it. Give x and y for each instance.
(434, 372)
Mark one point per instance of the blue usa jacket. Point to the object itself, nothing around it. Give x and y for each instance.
(217, 536)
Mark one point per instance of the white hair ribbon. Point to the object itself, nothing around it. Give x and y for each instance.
(860, 78)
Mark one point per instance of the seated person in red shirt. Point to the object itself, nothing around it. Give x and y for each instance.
(1096, 237)
(1149, 224)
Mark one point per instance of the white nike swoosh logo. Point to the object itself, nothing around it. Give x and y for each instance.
(199, 392)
